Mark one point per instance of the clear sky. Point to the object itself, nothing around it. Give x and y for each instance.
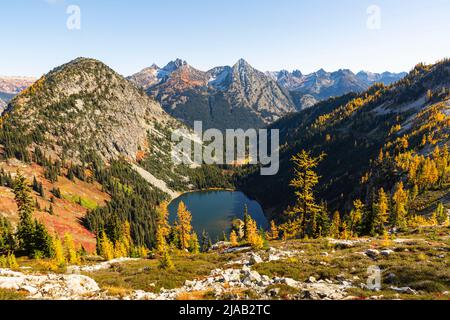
(129, 35)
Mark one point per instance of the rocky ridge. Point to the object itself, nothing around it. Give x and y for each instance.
(223, 97)
(309, 89)
(85, 105)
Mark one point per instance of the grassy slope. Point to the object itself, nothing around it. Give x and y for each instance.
(67, 211)
(420, 260)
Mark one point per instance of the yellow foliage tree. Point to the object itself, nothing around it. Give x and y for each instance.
(72, 256)
(184, 226)
(289, 230)
(142, 252)
(399, 207)
(234, 239)
(120, 249)
(254, 238)
(59, 256)
(355, 218)
(380, 212)
(126, 240)
(12, 262)
(163, 227)
(106, 248)
(165, 262)
(336, 226)
(273, 233)
(304, 182)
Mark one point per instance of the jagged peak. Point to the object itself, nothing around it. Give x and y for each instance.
(175, 65)
(343, 72)
(297, 73)
(242, 63)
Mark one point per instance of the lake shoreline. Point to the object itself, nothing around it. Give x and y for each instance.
(206, 190)
(212, 208)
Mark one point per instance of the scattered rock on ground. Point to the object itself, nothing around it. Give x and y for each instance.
(255, 259)
(372, 253)
(100, 266)
(387, 252)
(52, 286)
(407, 290)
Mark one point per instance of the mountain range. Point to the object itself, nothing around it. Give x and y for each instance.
(11, 86)
(241, 96)
(223, 97)
(307, 90)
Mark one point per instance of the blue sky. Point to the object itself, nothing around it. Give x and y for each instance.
(270, 34)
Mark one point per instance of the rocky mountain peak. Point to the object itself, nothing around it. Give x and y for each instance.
(242, 63)
(175, 65)
(297, 73)
(321, 72)
(85, 105)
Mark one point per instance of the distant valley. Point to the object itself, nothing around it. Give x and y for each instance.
(11, 86)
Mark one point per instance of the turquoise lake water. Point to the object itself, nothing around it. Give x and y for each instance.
(213, 211)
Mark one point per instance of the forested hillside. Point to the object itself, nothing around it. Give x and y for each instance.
(83, 124)
(406, 120)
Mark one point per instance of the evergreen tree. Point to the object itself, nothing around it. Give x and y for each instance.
(205, 242)
(224, 237)
(194, 246)
(441, 215)
(43, 242)
(57, 193)
(247, 219)
(7, 239)
(33, 238)
(37, 187)
(25, 204)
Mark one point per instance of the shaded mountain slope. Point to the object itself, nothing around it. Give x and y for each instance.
(352, 131)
